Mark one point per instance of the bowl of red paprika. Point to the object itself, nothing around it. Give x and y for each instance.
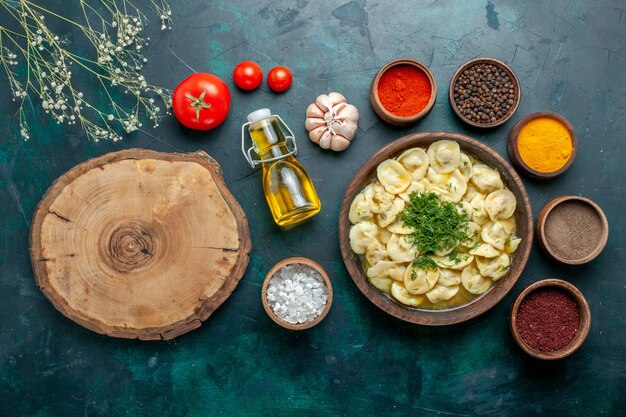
(403, 92)
(550, 319)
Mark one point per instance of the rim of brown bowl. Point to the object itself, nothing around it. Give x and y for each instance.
(513, 149)
(477, 306)
(581, 334)
(289, 261)
(503, 66)
(385, 114)
(541, 226)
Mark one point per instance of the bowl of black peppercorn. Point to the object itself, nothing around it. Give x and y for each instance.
(484, 92)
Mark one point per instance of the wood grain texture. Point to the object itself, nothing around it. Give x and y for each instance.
(385, 114)
(514, 153)
(139, 244)
(581, 334)
(497, 63)
(495, 294)
(543, 241)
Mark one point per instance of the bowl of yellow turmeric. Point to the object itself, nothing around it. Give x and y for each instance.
(542, 145)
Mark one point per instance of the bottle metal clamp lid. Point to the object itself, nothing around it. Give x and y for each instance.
(259, 115)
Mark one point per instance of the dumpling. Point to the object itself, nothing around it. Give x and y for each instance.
(361, 235)
(382, 283)
(379, 199)
(500, 205)
(375, 252)
(444, 252)
(359, 209)
(425, 182)
(441, 293)
(464, 207)
(387, 269)
(397, 272)
(380, 269)
(479, 214)
(403, 296)
(393, 176)
(453, 189)
(419, 281)
(449, 277)
(510, 224)
(485, 250)
(444, 156)
(461, 261)
(401, 249)
(399, 228)
(473, 281)
(512, 244)
(473, 231)
(383, 236)
(415, 161)
(471, 192)
(388, 216)
(466, 167)
(415, 187)
(486, 179)
(436, 178)
(495, 268)
(496, 234)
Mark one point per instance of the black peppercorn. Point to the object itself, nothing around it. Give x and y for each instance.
(484, 93)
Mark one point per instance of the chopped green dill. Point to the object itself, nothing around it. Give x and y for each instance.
(437, 225)
(425, 263)
(454, 257)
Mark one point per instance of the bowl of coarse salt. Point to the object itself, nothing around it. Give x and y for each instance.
(297, 293)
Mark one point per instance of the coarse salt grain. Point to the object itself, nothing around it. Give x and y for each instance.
(297, 293)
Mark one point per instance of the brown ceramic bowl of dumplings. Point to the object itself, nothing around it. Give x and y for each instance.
(477, 306)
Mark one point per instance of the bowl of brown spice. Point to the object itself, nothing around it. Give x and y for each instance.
(484, 92)
(550, 319)
(572, 230)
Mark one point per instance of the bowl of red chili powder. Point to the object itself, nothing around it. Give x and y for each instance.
(403, 92)
(550, 319)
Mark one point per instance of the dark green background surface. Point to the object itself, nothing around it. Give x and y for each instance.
(570, 58)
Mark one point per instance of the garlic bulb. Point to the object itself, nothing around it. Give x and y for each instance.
(331, 122)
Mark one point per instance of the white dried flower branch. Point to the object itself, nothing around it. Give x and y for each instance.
(114, 28)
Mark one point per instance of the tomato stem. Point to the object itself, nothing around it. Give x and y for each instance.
(198, 104)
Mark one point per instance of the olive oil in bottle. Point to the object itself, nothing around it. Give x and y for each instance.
(289, 191)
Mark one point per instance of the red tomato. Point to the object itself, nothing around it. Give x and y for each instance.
(279, 79)
(201, 101)
(248, 75)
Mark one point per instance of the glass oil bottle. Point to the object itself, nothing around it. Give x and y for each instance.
(289, 191)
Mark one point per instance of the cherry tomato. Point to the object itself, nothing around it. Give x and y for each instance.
(279, 79)
(201, 101)
(248, 75)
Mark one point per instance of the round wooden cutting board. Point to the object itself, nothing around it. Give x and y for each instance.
(140, 244)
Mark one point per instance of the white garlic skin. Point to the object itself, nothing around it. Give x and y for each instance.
(331, 122)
